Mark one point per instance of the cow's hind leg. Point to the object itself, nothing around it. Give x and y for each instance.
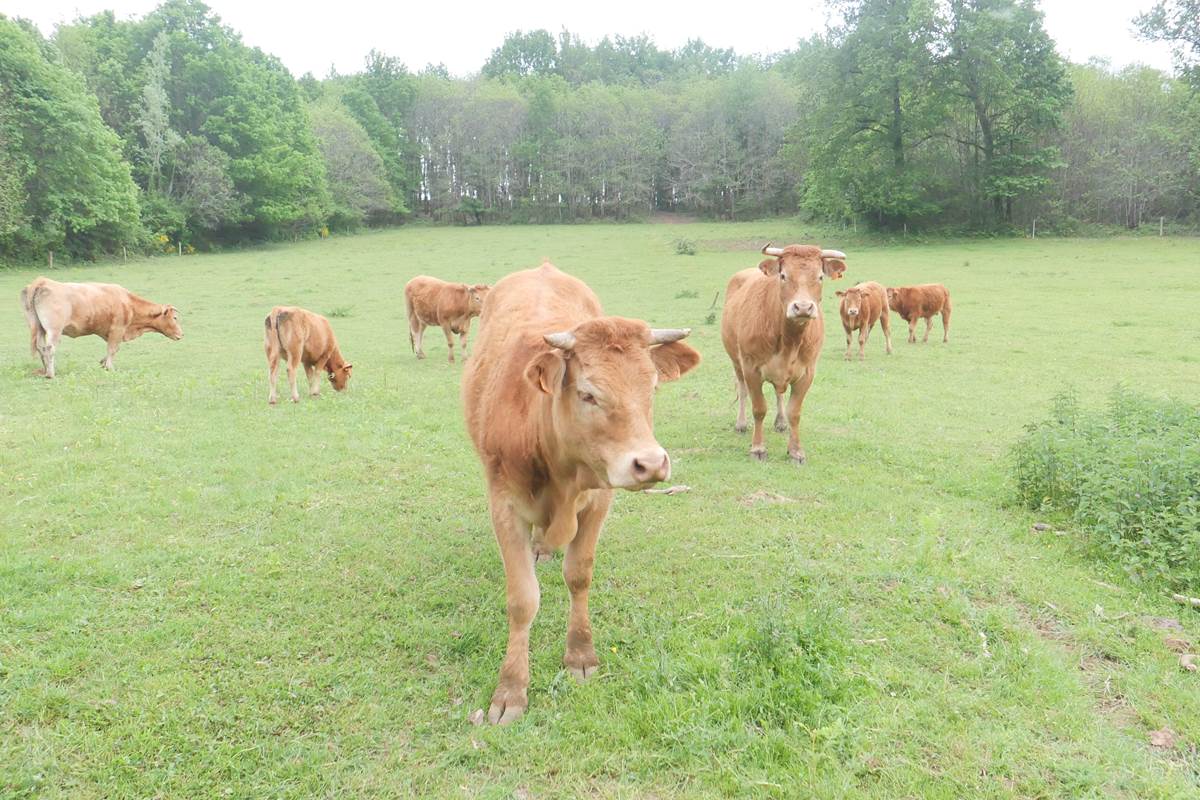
(758, 403)
(912, 330)
(462, 339)
(580, 656)
(49, 344)
(886, 324)
(781, 423)
(739, 381)
(293, 363)
(511, 697)
(416, 336)
(928, 325)
(945, 324)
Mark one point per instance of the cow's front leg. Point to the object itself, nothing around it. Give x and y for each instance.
(511, 697)
(313, 373)
(449, 340)
(795, 405)
(849, 339)
(912, 330)
(758, 404)
(928, 325)
(114, 342)
(462, 339)
(580, 656)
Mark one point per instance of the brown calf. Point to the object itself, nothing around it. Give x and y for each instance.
(772, 330)
(432, 301)
(302, 337)
(111, 312)
(862, 305)
(558, 401)
(921, 302)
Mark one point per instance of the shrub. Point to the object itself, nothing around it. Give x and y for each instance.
(685, 247)
(1128, 476)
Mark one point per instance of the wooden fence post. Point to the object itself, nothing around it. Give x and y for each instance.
(1160, 226)
(1035, 227)
(50, 255)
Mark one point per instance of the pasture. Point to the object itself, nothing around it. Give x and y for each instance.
(203, 596)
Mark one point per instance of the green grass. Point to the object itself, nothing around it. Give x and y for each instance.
(202, 596)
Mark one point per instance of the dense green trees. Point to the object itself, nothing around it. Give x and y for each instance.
(169, 130)
(64, 185)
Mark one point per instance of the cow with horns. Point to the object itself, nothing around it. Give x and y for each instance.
(773, 330)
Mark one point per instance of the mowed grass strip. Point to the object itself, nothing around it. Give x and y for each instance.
(202, 596)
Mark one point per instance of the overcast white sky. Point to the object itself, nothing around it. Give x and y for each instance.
(312, 36)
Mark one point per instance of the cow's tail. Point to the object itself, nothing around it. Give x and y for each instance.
(29, 296)
(408, 305)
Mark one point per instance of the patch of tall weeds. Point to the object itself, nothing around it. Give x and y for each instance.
(1127, 475)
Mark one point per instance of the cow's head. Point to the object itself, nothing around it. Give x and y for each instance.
(800, 270)
(852, 300)
(476, 295)
(601, 376)
(339, 376)
(167, 323)
(892, 293)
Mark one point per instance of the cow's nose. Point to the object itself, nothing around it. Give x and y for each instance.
(652, 466)
(805, 309)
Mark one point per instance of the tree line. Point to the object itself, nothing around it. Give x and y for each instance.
(169, 132)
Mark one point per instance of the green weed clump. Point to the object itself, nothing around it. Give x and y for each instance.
(1129, 476)
(685, 247)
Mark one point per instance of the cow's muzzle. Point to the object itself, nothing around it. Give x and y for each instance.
(801, 309)
(642, 468)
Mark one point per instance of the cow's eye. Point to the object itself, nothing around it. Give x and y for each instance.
(587, 397)
(820, 276)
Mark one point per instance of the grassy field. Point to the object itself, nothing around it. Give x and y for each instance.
(203, 596)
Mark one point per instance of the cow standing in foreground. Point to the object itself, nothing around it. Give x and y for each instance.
(921, 302)
(303, 337)
(432, 301)
(862, 305)
(772, 329)
(558, 401)
(107, 310)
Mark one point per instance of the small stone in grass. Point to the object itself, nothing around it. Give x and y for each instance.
(1177, 644)
(1188, 662)
(1040, 526)
(476, 717)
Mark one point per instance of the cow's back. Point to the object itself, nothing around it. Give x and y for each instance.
(742, 317)
(434, 300)
(81, 308)
(923, 300)
(517, 312)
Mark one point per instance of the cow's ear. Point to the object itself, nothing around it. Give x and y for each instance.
(769, 267)
(546, 371)
(674, 359)
(833, 267)
(166, 312)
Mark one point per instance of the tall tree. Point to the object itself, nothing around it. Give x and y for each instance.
(1003, 64)
(154, 118)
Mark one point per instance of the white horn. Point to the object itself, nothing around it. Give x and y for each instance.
(563, 341)
(665, 335)
(833, 254)
(772, 251)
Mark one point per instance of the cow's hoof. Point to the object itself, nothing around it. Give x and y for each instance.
(741, 427)
(759, 455)
(507, 705)
(295, 399)
(581, 665)
(797, 457)
(847, 356)
(781, 425)
(272, 401)
(540, 556)
(420, 356)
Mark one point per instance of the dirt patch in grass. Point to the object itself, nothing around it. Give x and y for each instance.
(763, 496)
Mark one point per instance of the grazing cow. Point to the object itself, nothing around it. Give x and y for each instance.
(772, 330)
(303, 337)
(921, 302)
(435, 302)
(862, 305)
(111, 312)
(558, 402)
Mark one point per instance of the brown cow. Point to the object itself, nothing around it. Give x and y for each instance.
(303, 337)
(921, 302)
(863, 305)
(558, 404)
(772, 330)
(432, 301)
(111, 312)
